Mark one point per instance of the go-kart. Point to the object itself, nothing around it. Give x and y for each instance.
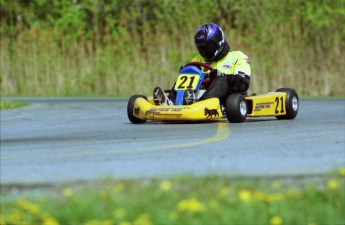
(283, 103)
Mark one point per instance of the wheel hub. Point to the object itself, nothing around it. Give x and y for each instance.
(295, 103)
(243, 108)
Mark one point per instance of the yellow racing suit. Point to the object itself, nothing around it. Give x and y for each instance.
(234, 63)
(233, 75)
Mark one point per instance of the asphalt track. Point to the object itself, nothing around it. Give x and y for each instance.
(57, 140)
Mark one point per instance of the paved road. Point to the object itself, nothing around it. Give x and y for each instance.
(55, 140)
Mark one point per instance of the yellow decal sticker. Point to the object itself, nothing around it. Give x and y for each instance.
(262, 105)
(210, 113)
(159, 110)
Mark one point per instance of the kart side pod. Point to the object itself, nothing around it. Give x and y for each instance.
(283, 104)
(139, 110)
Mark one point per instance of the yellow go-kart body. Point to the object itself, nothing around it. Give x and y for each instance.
(236, 109)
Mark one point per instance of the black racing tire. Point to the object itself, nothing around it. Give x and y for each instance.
(130, 109)
(236, 108)
(291, 104)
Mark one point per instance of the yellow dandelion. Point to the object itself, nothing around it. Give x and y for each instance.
(195, 205)
(341, 171)
(224, 191)
(143, 219)
(2, 219)
(312, 223)
(245, 195)
(192, 205)
(28, 206)
(67, 192)
(165, 186)
(49, 220)
(92, 222)
(276, 220)
(15, 218)
(119, 213)
(107, 222)
(332, 184)
(119, 187)
(274, 197)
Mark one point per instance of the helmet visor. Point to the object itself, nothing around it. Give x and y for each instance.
(207, 49)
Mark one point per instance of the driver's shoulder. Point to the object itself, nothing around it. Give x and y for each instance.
(198, 58)
(237, 54)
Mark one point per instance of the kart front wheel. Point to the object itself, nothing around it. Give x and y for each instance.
(130, 109)
(236, 108)
(291, 103)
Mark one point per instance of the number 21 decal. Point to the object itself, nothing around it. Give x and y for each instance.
(183, 82)
(281, 103)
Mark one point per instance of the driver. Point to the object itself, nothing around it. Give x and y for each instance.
(231, 73)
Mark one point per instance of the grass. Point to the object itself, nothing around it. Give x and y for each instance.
(122, 48)
(185, 200)
(11, 105)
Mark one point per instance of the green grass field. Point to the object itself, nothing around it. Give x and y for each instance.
(121, 48)
(11, 105)
(184, 200)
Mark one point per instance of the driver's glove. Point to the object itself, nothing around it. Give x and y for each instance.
(239, 82)
(215, 73)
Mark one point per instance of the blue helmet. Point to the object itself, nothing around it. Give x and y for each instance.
(210, 41)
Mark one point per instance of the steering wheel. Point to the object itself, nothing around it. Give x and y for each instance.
(200, 64)
(206, 81)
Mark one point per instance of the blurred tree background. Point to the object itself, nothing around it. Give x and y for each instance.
(126, 47)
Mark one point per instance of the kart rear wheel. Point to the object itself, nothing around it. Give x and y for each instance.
(291, 104)
(236, 108)
(130, 109)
